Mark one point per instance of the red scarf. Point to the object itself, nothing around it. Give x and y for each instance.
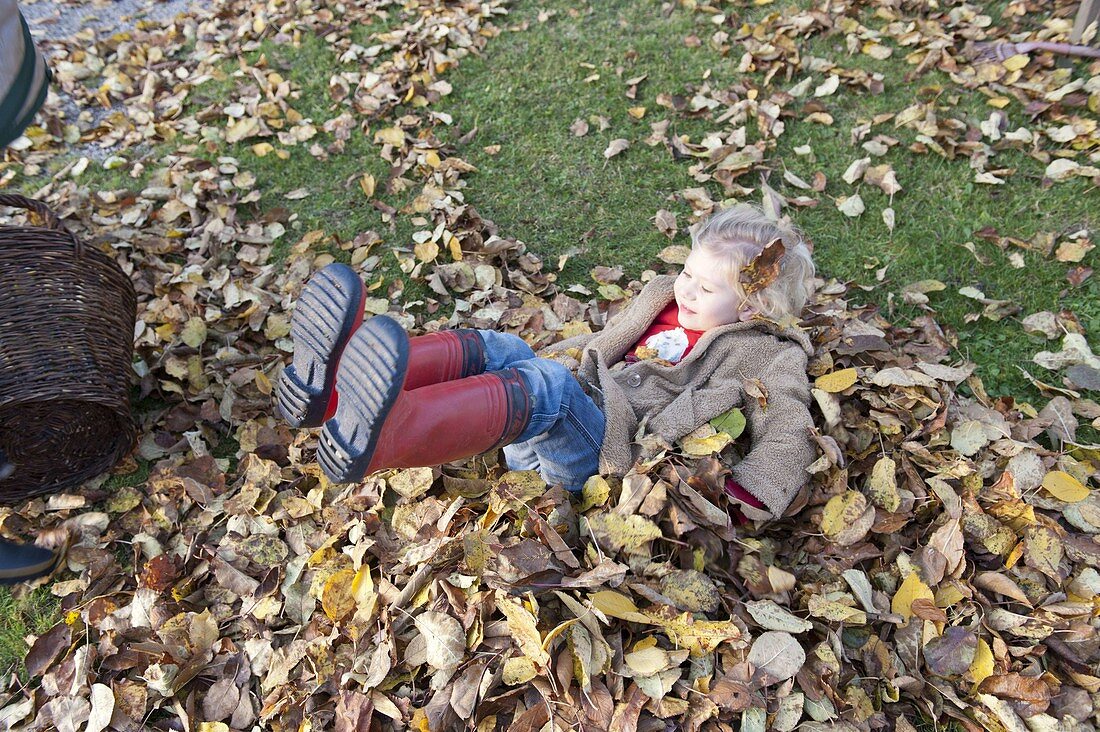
(665, 334)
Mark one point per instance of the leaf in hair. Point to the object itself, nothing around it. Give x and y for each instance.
(763, 270)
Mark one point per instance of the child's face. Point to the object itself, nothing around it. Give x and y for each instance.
(706, 300)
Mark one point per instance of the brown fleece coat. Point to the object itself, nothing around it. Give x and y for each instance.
(672, 401)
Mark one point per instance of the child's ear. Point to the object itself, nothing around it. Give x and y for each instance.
(747, 313)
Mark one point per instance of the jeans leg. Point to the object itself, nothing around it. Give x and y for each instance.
(502, 350)
(521, 456)
(565, 431)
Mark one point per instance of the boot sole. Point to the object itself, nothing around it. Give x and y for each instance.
(370, 378)
(327, 313)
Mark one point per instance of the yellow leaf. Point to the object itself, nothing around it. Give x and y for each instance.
(701, 445)
(883, 485)
(362, 592)
(411, 483)
(419, 721)
(514, 490)
(700, 637)
(367, 183)
(674, 254)
(1018, 515)
(837, 381)
(1014, 555)
(842, 511)
(524, 630)
(1065, 487)
(336, 598)
(616, 532)
(455, 247)
(636, 112)
(242, 128)
(166, 331)
(322, 554)
(877, 50)
(1044, 551)
(911, 589)
(596, 491)
(518, 670)
(617, 605)
(575, 328)
(981, 667)
(194, 332)
(213, 727)
(477, 551)
(647, 661)
(261, 149)
(1017, 62)
(263, 383)
(426, 251)
(691, 590)
(561, 628)
(588, 657)
(948, 595)
(991, 533)
(390, 136)
(835, 611)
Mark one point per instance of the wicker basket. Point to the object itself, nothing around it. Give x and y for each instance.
(66, 350)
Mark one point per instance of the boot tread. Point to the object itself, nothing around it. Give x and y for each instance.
(322, 322)
(370, 378)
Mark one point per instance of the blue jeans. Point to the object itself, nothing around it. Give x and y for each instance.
(565, 433)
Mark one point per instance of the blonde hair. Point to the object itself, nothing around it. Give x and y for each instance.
(736, 235)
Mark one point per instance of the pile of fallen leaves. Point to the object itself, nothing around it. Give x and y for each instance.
(942, 561)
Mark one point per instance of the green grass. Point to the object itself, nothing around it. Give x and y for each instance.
(557, 193)
(32, 614)
(554, 190)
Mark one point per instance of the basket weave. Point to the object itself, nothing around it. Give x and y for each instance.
(66, 349)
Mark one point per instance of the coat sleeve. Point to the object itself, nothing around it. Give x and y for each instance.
(780, 445)
(577, 341)
(582, 340)
(24, 76)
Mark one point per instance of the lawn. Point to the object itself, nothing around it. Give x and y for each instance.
(557, 63)
(555, 190)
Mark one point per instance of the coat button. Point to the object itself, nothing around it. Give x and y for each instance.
(635, 380)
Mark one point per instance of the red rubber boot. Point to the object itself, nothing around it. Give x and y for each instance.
(444, 356)
(328, 312)
(380, 425)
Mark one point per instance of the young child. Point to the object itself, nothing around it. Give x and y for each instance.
(681, 353)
